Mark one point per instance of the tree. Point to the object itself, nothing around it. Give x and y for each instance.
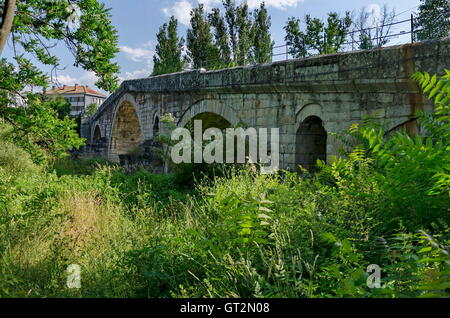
(169, 50)
(8, 8)
(91, 109)
(244, 33)
(230, 18)
(34, 28)
(374, 32)
(334, 33)
(433, 20)
(83, 25)
(201, 49)
(295, 38)
(61, 107)
(319, 38)
(221, 36)
(262, 41)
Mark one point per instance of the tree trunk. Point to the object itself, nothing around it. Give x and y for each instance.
(7, 21)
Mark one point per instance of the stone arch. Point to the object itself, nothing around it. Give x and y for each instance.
(211, 108)
(399, 125)
(126, 135)
(308, 110)
(311, 143)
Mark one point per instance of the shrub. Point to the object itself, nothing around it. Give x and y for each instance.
(15, 162)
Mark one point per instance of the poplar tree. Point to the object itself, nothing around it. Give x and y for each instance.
(262, 41)
(230, 18)
(433, 20)
(244, 27)
(169, 50)
(221, 36)
(201, 49)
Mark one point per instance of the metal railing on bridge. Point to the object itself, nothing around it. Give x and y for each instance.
(405, 31)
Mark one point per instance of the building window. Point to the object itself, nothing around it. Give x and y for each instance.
(77, 108)
(76, 99)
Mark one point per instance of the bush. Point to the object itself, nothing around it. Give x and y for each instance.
(15, 162)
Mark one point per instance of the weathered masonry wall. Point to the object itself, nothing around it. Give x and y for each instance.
(333, 91)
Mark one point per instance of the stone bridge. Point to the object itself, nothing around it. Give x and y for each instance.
(306, 99)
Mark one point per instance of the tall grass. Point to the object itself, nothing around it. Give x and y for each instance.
(245, 235)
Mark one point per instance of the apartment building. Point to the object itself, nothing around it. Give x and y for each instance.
(80, 97)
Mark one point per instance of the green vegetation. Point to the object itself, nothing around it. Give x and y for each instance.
(169, 57)
(319, 38)
(433, 21)
(91, 109)
(202, 51)
(385, 202)
(35, 28)
(262, 40)
(215, 40)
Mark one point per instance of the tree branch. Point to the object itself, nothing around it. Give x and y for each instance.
(7, 21)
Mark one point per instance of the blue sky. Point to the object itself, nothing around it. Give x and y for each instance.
(138, 21)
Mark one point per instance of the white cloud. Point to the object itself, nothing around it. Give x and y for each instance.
(87, 78)
(375, 14)
(181, 10)
(140, 54)
(66, 80)
(210, 3)
(278, 4)
(253, 4)
(142, 73)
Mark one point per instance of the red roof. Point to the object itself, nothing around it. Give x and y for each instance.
(77, 89)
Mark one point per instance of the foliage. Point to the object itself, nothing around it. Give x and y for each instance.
(318, 38)
(15, 162)
(85, 27)
(38, 129)
(91, 38)
(61, 106)
(262, 41)
(220, 36)
(244, 34)
(202, 51)
(433, 20)
(91, 109)
(236, 38)
(169, 56)
(230, 18)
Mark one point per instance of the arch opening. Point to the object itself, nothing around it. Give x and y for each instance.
(311, 143)
(126, 136)
(209, 120)
(156, 127)
(97, 135)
